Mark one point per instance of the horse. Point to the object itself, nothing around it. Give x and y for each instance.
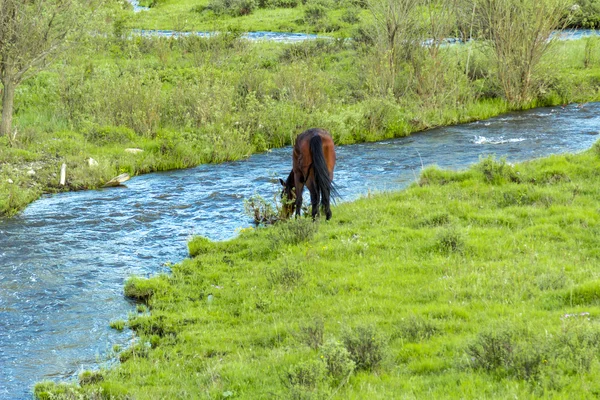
(313, 161)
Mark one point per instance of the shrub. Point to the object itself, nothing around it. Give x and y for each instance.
(142, 290)
(366, 347)
(337, 359)
(496, 172)
(260, 210)
(315, 11)
(103, 135)
(491, 351)
(119, 324)
(308, 374)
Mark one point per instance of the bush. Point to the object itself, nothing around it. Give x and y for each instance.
(337, 359)
(496, 172)
(315, 11)
(261, 211)
(366, 347)
(308, 374)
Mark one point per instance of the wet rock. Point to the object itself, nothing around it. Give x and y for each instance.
(133, 151)
(117, 181)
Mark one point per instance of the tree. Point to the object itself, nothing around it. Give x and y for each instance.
(32, 32)
(519, 34)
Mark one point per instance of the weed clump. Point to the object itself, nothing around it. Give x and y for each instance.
(292, 232)
(450, 240)
(416, 328)
(118, 325)
(90, 377)
(199, 245)
(366, 347)
(142, 290)
(497, 172)
(288, 277)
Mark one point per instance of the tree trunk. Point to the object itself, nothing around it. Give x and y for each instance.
(8, 97)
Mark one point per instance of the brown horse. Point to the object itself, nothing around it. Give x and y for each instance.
(313, 161)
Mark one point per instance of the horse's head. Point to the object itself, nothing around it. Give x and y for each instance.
(288, 198)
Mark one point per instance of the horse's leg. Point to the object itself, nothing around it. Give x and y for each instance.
(314, 201)
(326, 207)
(299, 189)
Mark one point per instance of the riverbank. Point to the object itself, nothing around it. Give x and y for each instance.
(194, 100)
(467, 284)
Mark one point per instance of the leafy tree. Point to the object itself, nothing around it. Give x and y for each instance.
(32, 33)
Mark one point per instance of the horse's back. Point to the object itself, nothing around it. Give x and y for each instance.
(303, 158)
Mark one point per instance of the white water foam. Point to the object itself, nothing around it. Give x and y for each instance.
(500, 140)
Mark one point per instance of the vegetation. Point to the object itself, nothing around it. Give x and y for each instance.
(194, 100)
(470, 284)
(31, 33)
(331, 17)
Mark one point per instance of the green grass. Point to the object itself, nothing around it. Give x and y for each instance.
(474, 284)
(190, 15)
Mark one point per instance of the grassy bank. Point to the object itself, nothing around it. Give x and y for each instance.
(195, 100)
(333, 17)
(473, 284)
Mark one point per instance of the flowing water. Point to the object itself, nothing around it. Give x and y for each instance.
(63, 261)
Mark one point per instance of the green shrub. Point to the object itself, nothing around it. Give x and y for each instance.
(287, 277)
(496, 172)
(316, 10)
(366, 346)
(337, 359)
(308, 374)
(261, 211)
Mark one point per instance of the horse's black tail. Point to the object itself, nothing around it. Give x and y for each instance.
(323, 184)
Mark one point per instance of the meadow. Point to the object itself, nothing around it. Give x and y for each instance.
(480, 283)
